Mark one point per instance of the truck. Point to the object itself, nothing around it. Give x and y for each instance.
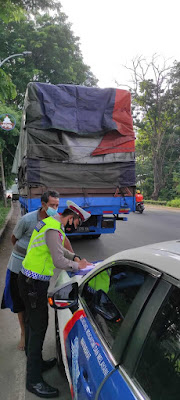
(78, 141)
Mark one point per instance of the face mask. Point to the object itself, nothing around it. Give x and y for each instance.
(70, 228)
(51, 212)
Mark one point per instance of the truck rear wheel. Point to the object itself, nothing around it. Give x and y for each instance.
(96, 236)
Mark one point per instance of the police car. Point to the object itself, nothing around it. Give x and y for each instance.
(118, 327)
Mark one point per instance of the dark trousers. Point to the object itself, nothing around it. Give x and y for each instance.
(36, 322)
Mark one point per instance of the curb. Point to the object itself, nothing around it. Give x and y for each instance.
(2, 230)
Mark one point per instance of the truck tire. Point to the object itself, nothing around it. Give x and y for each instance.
(96, 236)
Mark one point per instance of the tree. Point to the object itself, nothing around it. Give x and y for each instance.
(13, 10)
(9, 141)
(10, 11)
(144, 174)
(7, 88)
(34, 5)
(56, 56)
(156, 116)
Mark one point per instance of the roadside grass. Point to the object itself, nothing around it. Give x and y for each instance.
(4, 212)
(157, 202)
(172, 203)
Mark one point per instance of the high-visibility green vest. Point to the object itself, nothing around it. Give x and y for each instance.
(101, 281)
(38, 258)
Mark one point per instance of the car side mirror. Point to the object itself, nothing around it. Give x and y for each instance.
(65, 297)
(104, 306)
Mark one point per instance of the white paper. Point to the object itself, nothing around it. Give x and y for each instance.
(84, 271)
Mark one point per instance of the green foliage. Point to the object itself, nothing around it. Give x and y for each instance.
(34, 5)
(178, 189)
(168, 192)
(10, 11)
(157, 119)
(156, 202)
(3, 212)
(56, 56)
(7, 88)
(9, 141)
(174, 203)
(171, 203)
(14, 10)
(144, 174)
(176, 180)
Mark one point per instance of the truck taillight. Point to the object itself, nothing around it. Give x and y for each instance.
(124, 210)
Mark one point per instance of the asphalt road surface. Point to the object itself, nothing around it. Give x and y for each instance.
(154, 225)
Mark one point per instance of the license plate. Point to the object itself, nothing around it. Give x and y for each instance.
(83, 229)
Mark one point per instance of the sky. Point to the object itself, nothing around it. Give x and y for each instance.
(113, 32)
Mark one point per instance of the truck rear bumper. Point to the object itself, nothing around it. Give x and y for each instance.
(96, 225)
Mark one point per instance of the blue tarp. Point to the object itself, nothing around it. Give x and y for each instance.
(76, 108)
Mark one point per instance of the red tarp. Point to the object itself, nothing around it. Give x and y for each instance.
(121, 140)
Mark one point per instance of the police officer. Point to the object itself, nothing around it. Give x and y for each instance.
(20, 239)
(45, 252)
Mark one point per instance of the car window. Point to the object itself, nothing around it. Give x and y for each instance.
(109, 296)
(158, 370)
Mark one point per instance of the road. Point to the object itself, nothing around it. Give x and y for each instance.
(154, 225)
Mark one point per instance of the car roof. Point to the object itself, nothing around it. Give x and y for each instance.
(164, 257)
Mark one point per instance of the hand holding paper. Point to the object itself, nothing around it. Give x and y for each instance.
(83, 263)
(84, 271)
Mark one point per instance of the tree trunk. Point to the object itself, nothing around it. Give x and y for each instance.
(1, 191)
(157, 179)
(3, 179)
(155, 194)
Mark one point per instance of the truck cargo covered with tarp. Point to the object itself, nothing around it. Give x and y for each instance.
(78, 140)
(71, 133)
